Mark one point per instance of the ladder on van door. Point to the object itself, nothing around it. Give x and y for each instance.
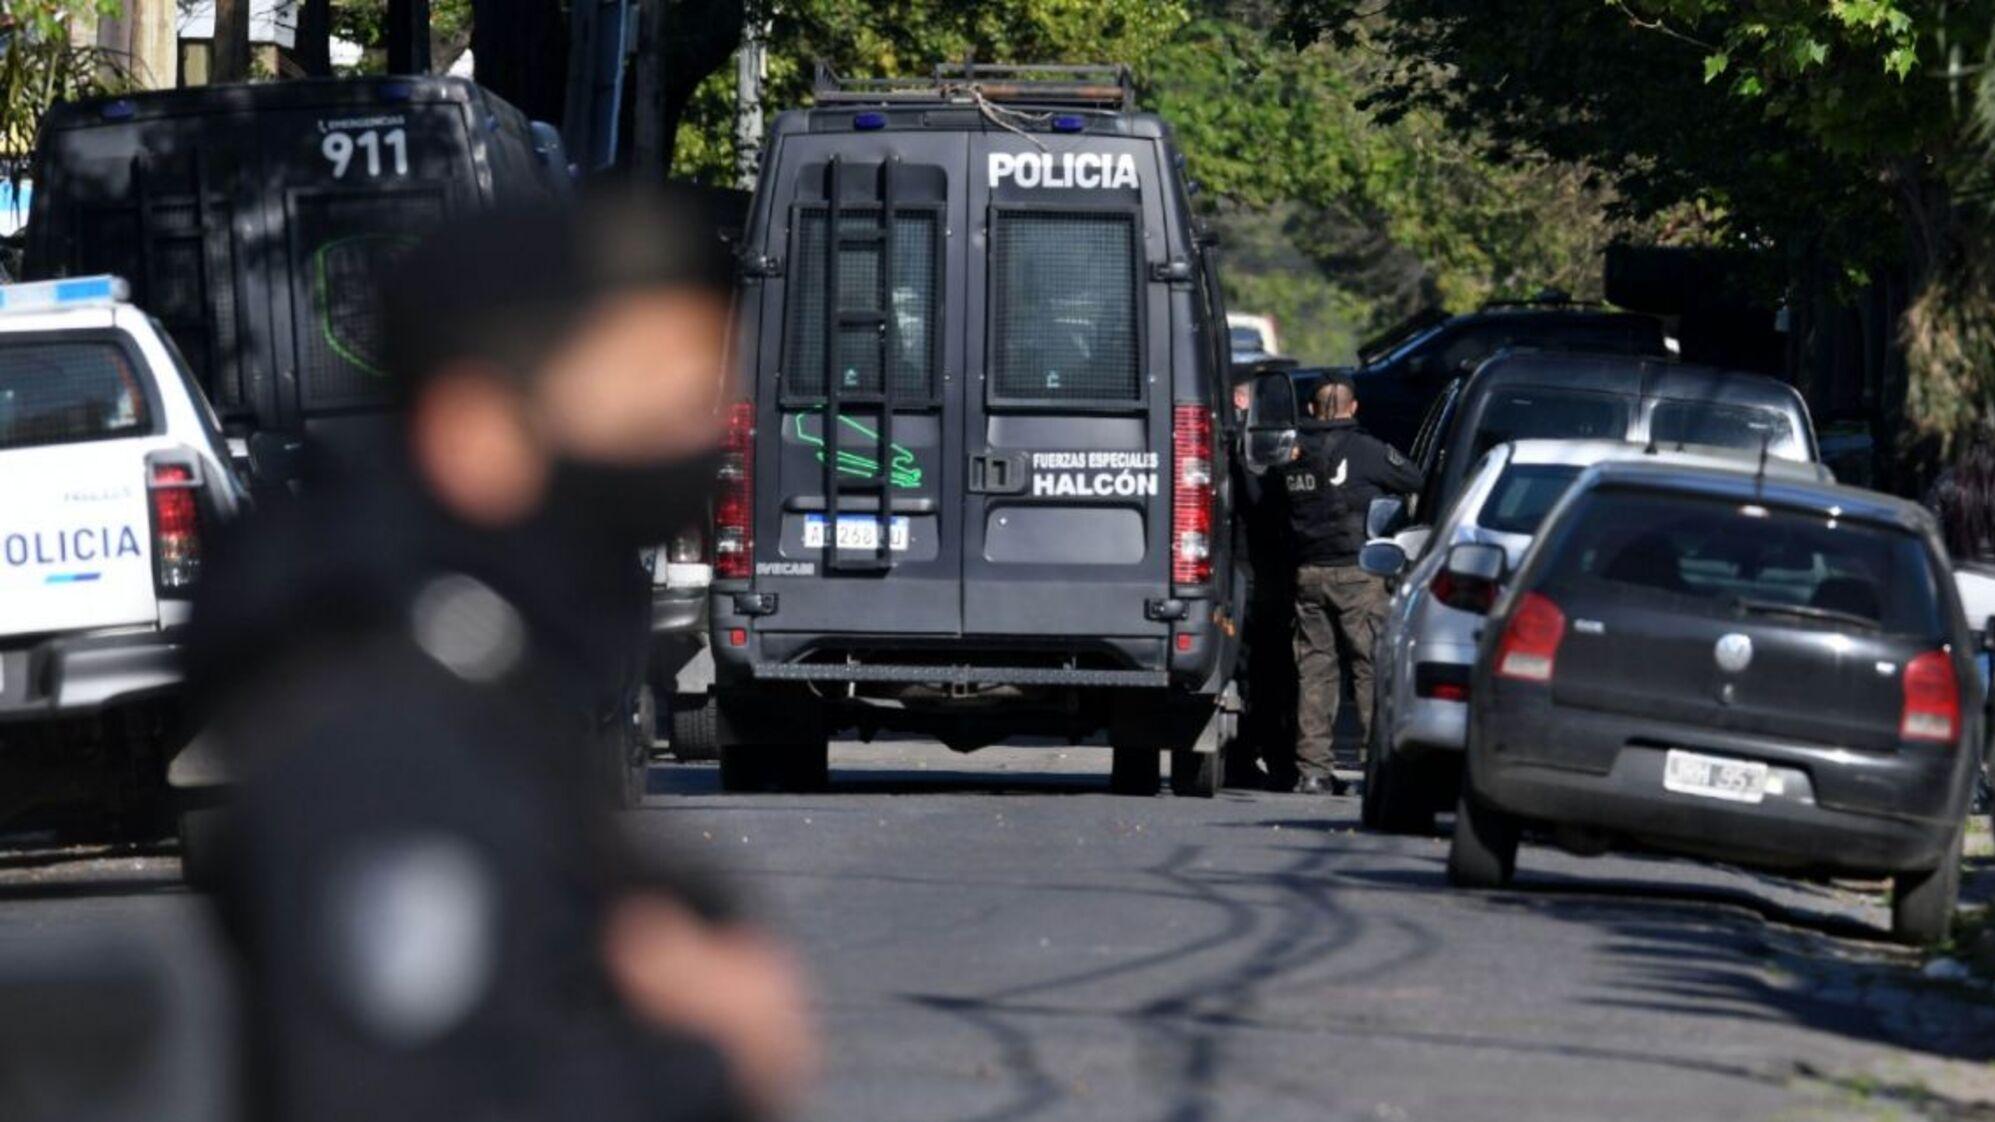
(884, 327)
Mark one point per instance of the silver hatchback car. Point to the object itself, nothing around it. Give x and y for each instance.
(1427, 643)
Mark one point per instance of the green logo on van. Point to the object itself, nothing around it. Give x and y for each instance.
(902, 471)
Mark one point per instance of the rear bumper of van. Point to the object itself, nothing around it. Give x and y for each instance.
(72, 675)
(1189, 658)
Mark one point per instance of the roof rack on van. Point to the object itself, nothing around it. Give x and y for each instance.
(1098, 86)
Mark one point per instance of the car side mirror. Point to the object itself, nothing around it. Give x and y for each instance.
(1271, 421)
(1385, 516)
(1382, 559)
(1474, 575)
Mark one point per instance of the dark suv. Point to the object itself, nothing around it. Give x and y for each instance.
(975, 490)
(1751, 668)
(1401, 372)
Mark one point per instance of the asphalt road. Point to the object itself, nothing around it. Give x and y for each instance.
(996, 937)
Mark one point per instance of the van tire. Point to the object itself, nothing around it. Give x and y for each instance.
(1393, 801)
(695, 727)
(775, 767)
(1135, 770)
(1483, 853)
(806, 767)
(1196, 775)
(1922, 902)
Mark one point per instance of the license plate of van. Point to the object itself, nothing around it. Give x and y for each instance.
(1714, 777)
(861, 531)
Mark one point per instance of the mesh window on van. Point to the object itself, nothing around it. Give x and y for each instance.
(67, 392)
(860, 286)
(1065, 295)
(345, 245)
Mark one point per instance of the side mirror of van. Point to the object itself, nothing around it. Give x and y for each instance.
(1385, 516)
(1475, 574)
(1271, 421)
(1382, 559)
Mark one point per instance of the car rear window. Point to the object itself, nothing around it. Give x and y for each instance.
(1064, 322)
(1527, 414)
(1523, 495)
(66, 392)
(1723, 426)
(1736, 558)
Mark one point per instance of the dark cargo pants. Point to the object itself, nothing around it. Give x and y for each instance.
(1337, 611)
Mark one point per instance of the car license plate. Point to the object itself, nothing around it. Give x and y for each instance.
(1714, 777)
(855, 532)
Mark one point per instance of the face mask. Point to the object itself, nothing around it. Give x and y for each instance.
(630, 506)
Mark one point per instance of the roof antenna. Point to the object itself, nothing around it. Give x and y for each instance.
(1759, 477)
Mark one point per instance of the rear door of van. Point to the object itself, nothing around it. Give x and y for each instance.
(1067, 410)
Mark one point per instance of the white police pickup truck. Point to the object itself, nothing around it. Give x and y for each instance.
(112, 474)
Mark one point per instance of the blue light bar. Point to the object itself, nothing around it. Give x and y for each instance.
(75, 292)
(395, 91)
(1067, 122)
(867, 122)
(119, 110)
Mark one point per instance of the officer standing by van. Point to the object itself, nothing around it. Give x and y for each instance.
(1336, 472)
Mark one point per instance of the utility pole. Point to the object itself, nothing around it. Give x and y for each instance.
(314, 38)
(751, 68)
(408, 36)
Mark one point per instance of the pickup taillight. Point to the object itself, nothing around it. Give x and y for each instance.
(1932, 699)
(174, 491)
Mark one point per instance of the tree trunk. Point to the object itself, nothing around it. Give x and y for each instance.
(229, 57)
(695, 38)
(520, 50)
(313, 49)
(408, 37)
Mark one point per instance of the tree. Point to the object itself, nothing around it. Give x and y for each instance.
(229, 54)
(42, 63)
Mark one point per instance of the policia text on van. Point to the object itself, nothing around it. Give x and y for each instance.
(973, 491)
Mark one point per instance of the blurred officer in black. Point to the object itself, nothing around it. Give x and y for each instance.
(1337, 471)
(1266, 671)
(434, 911)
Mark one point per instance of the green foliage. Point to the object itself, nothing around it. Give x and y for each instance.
(1336, 219)
(41, 64)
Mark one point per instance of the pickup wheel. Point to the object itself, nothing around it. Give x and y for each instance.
(1484, 851)
(695, 727)
(1922, 903)
(1196, 774)
(1135, 770)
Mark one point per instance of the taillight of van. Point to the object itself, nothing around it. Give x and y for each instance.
(1191, 495)
(734, 505)
(173, 493)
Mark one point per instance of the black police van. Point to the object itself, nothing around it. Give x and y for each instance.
(252, 219)
(978, 488)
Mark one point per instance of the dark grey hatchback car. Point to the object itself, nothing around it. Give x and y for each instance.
(1758, 670)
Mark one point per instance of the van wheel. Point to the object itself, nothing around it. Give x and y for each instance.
(807, 766)
(775, 767)
(1393, 801)
(695, 728)
(1922, 902)
(1484, 851)
(747, 767)
(1196, 775)
(1135, 770)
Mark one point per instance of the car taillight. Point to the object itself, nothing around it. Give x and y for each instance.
(734, 506)
(1530, 645)
(1467, 596)
(176, 526)
(1932, 699)
(1191, 495)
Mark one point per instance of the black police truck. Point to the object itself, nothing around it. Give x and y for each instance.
(252, 219)
(977, 489)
